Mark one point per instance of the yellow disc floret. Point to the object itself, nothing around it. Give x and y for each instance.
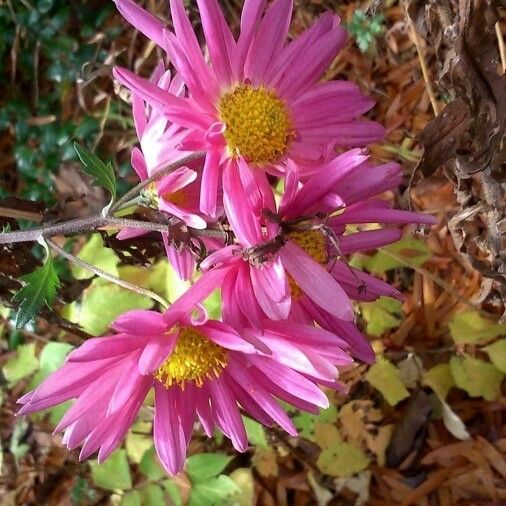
(258, 124)
(194, 359)
(314, 244)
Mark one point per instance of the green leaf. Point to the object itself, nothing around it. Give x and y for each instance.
(220, 491)
(150, 466)
(440, 379)
(408, 252)
(22, 364)
(51, 358)
(137, 445)
(476, 377)
(497, 354)
(255, 432)
(382, 314)
(213, 305)
(40, 288)
(385, 377)
(114, 473)
(102, 173)
(131, 499)
(470, 327)
(305, 422)
(152, 495)
(342, 460)
(243, 478)
(173, 490)
(101, 303)
(94, 252)
(203, 466)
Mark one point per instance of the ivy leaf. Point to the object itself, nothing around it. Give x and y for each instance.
(497, 354)
(385, 377)
(102, 173)
(203, 466)
(40, 288)
(114, 473)
(469, 327)
(476, 377)
(381, 315)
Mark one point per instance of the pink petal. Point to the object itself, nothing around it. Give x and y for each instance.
(369, 239)
(155, 353)
(224, 335)
(140, 322)
(209, 185)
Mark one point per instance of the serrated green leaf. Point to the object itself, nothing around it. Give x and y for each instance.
(22, 364)
(114, 473)
(408, 252)
(40, 288)
(382, 314)
(150, 466)
(101, 303)
(440, 379)
(94, 252)
(103, 174)
(255, 432)
(385, 377)
(469, 327)
(476, 377)
(220, 491)
(497, 354)
(203, 466)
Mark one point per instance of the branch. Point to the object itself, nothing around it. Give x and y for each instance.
(105, 275)
(157, 175)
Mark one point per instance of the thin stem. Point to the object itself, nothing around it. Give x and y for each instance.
(157, 175)
(105, 275)
(96, 222)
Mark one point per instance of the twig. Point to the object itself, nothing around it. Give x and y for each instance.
(18, 214)
(502, 49)
(106, 275)
(423, 65)
(157, 175)
(96, 222)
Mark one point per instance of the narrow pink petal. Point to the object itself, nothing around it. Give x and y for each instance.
(227, 414)
(145, 22)
(203, 410)
(140, 322)
(168, 433)
(225, 336)
(347, 133)
(155, 353)
(369, 239)
(316, 282)
(182, 260)
(127, 387)
(139, 164)
(209, 185)
(113, 346)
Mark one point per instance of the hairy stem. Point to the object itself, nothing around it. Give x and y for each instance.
(105, 275)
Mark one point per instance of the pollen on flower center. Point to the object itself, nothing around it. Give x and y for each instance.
(314, 244)
(195, 358)
(258, 123)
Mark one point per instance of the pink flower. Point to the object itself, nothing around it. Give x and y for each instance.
(200, 369)
(178, 193)
(258, 105)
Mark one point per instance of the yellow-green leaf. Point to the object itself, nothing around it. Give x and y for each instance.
(95, 253)
(382, 314)
(440, 379)
(497, 354)
(385, 377)
(476, 377)
(469, 327)
(22, 364)
(114, 473)
(342, 460)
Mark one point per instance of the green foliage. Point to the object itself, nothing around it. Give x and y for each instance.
(114, 473)
(385, 377)
(22, 364)
(476, 377)
(16, 446)
(150, 466)
(382, 314)
(440, 379)
(469, 327)
(203, 466)
(94, 252)
(40, 288)
(408, 252)
(255, 432)
(365, 29)
(305, 422)
(103, 174)
(497, 354)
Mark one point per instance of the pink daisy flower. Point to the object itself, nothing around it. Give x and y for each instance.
(178, 193)
(258, 104)
(200, 369)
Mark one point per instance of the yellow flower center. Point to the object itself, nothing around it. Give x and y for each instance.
(194, 358)
(314, 244)
(258, 124)
(177, 198)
